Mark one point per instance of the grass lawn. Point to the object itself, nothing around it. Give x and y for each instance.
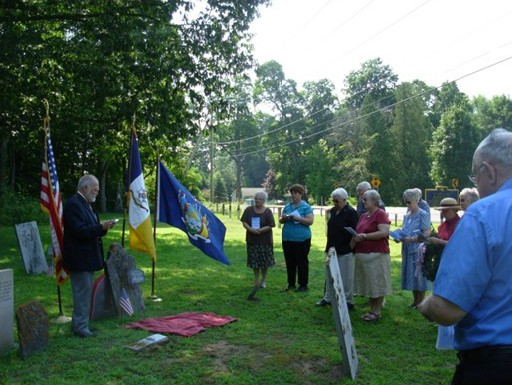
(280, 339)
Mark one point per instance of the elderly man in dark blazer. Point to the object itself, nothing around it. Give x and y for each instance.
(83, 249)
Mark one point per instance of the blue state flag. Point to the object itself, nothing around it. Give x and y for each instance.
(177, 207)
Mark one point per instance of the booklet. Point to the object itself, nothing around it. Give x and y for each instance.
(351, 230)
(445, 336)
(154, 339)
(397, 234)
(255, 223)
(294, 213)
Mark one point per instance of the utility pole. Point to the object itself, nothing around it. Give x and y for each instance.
(212, 149)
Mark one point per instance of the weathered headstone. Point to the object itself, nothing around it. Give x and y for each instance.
(33, 328)
(31, 248)
(341, 315)
(102, 301)
(123, 274)
(6, 310)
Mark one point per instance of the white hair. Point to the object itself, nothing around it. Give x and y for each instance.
(261, 194)
(340, 193)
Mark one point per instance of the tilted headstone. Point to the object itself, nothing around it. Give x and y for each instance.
(33, 328)
(341, 315)
(31, 248)
(6, 310)
(102, 300)
(123, 274)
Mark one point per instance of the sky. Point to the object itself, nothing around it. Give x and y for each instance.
(469, 41)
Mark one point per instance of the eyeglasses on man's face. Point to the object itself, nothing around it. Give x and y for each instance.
(473, 177)
(407, 202)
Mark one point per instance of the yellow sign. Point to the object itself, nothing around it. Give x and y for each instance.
(455, 182)
(375, 182)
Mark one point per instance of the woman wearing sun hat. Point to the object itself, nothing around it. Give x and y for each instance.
(449, 208)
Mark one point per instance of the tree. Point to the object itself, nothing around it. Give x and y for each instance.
(411, 136)
(453, 145)
(321, 179)
(269, 184)
(370, 97)
(494, 113)
(285, 136)
(100, 64)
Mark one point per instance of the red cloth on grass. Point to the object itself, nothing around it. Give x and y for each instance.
(184, 324)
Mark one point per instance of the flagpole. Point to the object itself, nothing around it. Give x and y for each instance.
(126, 189)
(153, 297)
(61, 318)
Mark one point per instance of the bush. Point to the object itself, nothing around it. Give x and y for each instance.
(18, 208)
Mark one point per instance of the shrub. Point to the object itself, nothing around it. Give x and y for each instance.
(18, 208)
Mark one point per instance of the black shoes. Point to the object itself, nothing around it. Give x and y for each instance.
(322, 303)
(299, 289)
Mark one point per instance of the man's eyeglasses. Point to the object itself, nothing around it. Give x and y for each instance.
(407, 202)
(335, 200)
(462, 200)
(472, 177)
(365, 199)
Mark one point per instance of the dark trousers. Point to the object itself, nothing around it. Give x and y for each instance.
(297, 262)
(487, 365)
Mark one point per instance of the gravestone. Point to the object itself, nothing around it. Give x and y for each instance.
(6, 310)
(341, 315)
(33, 328)
(102, 301)
(31, 248)
(123, 274)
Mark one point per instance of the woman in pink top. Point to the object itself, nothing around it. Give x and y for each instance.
(372, 270)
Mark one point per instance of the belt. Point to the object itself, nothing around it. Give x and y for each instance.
(485, 353)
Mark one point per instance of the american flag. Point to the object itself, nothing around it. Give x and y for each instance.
(124, 302)
(52, 204)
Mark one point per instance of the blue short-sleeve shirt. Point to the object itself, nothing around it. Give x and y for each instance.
(294, 231)
(475, 272)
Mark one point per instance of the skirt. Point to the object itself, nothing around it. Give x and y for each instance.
(260, 256)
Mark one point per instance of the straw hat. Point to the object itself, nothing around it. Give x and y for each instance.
(448, 203)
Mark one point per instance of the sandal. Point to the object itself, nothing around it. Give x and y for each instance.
(371, 317)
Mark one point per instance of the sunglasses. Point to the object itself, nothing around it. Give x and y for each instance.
(335, 200)
(407, 202)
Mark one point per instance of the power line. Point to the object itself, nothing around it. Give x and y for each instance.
(370, 113)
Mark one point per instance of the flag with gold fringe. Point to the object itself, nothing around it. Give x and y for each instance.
(141, 237)
(177, 207)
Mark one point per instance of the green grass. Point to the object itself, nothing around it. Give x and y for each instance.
(281, 339)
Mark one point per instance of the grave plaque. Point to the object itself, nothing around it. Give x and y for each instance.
(123, 274)
(341, 315)
(31, 248)
(33, 328)
(6, 310)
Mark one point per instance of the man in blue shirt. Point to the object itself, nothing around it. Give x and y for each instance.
(473, 287)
